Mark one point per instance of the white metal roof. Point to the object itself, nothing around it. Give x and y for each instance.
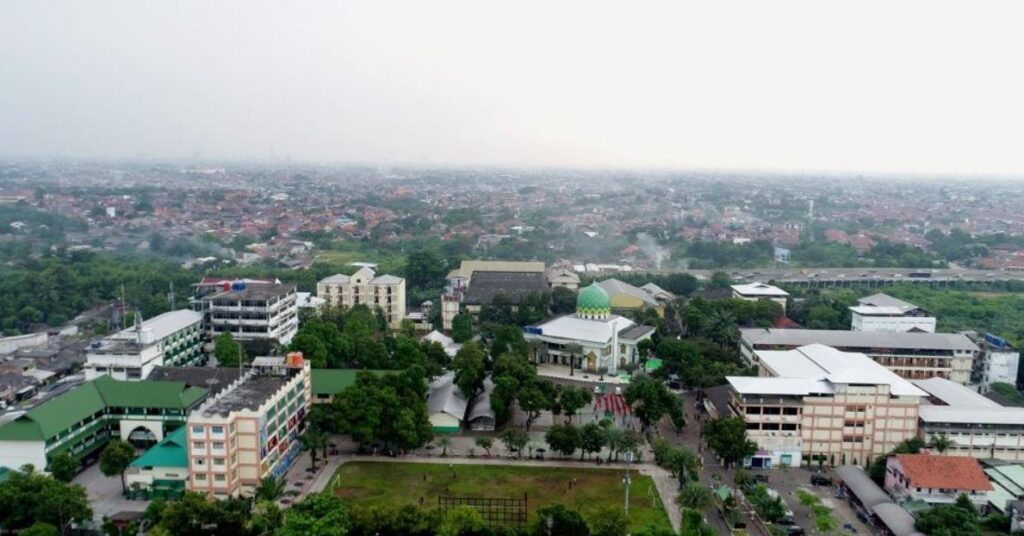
(820, 362)
(572, 327)
(163, 325)
(954, 394)
(884, 300)
(760, 289)
(445, 397)
(874, 310)
(971, 415)
(751, 385)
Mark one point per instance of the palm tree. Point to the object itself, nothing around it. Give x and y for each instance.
(941, 443)
(270, 489)
(695, 497)
(444, 443)
(574, 349)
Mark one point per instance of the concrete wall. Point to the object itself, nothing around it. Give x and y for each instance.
(14, 454)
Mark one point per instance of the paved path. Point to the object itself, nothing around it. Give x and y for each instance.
(663, 480)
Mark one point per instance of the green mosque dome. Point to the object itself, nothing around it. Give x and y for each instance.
(593, 302)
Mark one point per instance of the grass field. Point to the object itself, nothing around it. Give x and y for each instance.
(377, 483)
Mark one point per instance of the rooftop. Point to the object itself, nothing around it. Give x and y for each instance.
(249, 394)
(760, 289)
(468, 269)
(887, 301)
(263, 291)
(572, 327)
(615, 286)
(953, 394)
(171, 452)
(858, 339)
(944, 472)
(485, 286)
(213, 378)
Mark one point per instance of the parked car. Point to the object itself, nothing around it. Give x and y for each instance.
(795, 530)
(762, 478)
(820, 480)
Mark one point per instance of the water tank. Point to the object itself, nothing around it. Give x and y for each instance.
(238, 286)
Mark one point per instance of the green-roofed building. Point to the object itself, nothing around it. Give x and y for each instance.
(328, 382)
(161, 471)
(82, 420)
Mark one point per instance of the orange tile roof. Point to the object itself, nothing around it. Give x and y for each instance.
(943, 472)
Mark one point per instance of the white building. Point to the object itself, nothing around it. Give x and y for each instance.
(975, 425)
(820, 405)
(760, 291)
(881, 312)
(936, 480)
(367, 288)
(252, 311)
(997, 363)
(250, 430)
(607, 341)
(912, 355)
(170, 339)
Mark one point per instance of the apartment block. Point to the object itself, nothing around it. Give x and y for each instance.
(250, 311)
(367, 288)
(170, 339)
(911, 355)
(250, 430)
(816, 404)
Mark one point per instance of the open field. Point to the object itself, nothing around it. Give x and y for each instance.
(377, 483)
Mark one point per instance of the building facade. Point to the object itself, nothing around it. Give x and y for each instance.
(170, 339)
(367, 288)
(881, 312)
(974, 425)
(250, 430)
(911, 355)
(997, 362)
(250, 311)
(936, 480)
(818, 405)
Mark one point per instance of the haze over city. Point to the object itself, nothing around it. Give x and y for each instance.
(908, 87)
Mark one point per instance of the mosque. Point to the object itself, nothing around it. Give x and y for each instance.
(608, 341)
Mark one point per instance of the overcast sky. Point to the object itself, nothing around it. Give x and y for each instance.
(929, 87)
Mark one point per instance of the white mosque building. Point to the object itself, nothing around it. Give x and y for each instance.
(608, 341)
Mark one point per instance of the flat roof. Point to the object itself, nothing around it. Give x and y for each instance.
(250, 394)
(262, 291)
(858, 339)
(872, 310)
(884, 300)
(971, 415)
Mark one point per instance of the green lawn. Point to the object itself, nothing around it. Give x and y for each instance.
(375, 483)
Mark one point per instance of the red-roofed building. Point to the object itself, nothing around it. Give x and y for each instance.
(936, 479)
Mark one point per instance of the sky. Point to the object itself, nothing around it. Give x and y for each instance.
(926, 87)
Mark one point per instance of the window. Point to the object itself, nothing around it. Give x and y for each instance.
(217, 429)
(218, 478)
(218, 444)
(197, 430)
(201, 477)
(200, 462)
(218, 461)
(198, 445)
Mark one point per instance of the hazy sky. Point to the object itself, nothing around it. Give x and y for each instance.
(868, 86)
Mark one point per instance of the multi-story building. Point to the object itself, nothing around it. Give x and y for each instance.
(997, 362)
(251, 311)
(476, 283)
(912, 355)
(882, 312)
(975, 426)
(816, 404)
(82, 420)
(170, 339)
(250, 429)
(760, 291)
(367, 288)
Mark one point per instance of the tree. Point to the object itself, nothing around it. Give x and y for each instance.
(514, 440)
(485, 443)
(116, 458)
(695, 496)
(693, 524)
(591, 439)
(311, 440)
(469, 369)
(557, 519)
(319, 514)
(534, 398)
(444, 442)
(644, 349)
(683, 463)
(563, 439)
(63, 467)
(941, 443)
(227, 350)
(727, 437)
(572, 399)
(425, 270)
(719, 280)
(385, 407)
(462, 327)
(508, 339)
(271, 489)
(461, 521)
(609, 522)
(311, 346)
(563, 301)
(40, 528)
(651, 400)
(949, 520)
(28, 497)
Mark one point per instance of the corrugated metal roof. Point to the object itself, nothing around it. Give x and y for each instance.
(858, 339)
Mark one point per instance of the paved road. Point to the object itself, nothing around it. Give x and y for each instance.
(104, 493)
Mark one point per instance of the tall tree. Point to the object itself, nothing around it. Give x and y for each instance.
(462, 327)
(319, 514)
(651, 400)
(514, 440)
(63, 467)
(563, 439)
(557, 519)
(572, 399)
(695, 496)
(227, 350)
(470, 371)
(592, 439)
(115, 459)
(727, 437)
